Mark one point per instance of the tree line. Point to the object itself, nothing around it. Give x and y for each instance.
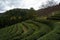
(16, 15)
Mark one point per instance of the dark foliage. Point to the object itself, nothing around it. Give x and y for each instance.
(15, 16)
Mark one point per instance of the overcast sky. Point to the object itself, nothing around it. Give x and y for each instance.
(10, 4)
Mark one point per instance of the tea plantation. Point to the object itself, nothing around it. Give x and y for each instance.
(23, 24)
(31, 30)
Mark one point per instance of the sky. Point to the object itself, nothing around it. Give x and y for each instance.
(11, 4)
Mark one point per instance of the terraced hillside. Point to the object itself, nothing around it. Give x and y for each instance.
(31, 30)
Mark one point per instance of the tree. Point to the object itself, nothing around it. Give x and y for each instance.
(49, 3)
(31, 13)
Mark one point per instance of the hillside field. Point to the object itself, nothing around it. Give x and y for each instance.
(31, 30)
(24, 24)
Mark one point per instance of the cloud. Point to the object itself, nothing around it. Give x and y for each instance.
(10, 4)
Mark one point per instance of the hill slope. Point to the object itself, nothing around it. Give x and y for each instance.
(31, 30)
